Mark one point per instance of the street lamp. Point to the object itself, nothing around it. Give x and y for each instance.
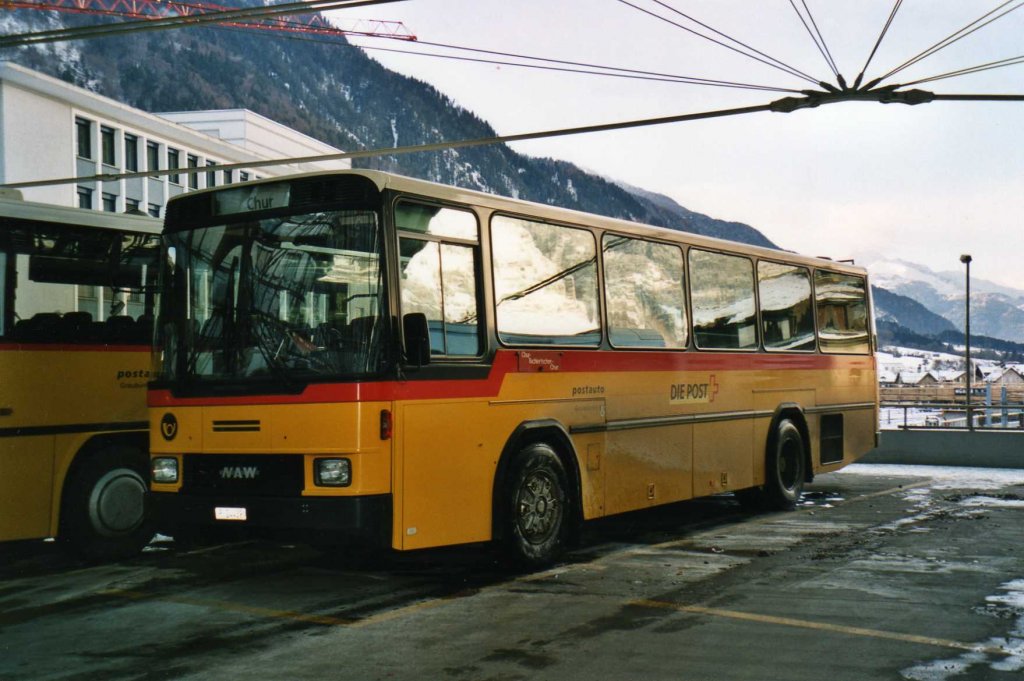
(966, 260)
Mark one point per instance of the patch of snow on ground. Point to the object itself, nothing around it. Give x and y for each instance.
(945, 477)
(1004, 654)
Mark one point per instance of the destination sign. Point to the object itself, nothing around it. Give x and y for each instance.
(249, 199)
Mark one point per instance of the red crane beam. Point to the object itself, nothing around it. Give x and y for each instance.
(153, 9)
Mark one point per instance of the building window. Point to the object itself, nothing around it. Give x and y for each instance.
(131, 206)
(172, 163)
(211, 176)
(152, 156)
(107, 146)
(193, 178)
(83, 132)
(154, 210)
(84, 197)
(243, 176)
(229, 176)
(131, 153)
(109, 202)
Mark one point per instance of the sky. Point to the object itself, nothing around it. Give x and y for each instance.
(923, 183)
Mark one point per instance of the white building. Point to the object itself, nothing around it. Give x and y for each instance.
(52, 130)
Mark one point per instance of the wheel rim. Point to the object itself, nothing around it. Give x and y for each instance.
(116, 505)
(790, 462)
(538, 506)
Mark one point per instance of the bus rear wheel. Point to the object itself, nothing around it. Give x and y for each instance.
(785, 467)
(535, 513)
(104, 515)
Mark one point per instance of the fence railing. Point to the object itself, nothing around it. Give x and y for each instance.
(905, 415)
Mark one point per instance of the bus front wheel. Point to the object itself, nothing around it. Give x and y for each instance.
(785, 469)
(104, 516)
(535, 513)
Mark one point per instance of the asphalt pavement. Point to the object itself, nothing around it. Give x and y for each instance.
(884, 572)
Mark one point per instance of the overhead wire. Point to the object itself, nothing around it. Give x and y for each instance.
(568, 66)
(881, 36)
(1010, 61)
(789, 104)
(786, 66)
(164, 23)
(955, 37)
(587, 69)
(390, 151)
(821, 37)
(815, 38)
(785, 69)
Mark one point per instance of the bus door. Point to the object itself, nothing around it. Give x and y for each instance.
(444, 437)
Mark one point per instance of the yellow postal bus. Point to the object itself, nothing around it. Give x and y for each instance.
(76, 305)
(362, 355)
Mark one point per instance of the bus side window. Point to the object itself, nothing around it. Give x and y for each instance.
(39, 305)
(722, 291)
(644, 293)
(786, 310)
(841, 300)
(545, 283)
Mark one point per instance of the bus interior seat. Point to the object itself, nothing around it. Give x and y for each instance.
(75, 327)
(120, 329)
(40, 328)
(361, 328)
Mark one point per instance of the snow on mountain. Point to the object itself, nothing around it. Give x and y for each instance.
(996, 310)
(891, 273)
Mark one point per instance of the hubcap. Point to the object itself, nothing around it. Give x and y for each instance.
(537, 503)
(116, 505)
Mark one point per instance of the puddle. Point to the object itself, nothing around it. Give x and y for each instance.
(820, 499)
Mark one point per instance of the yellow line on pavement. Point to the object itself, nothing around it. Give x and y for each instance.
(229, 606)
(820, 626)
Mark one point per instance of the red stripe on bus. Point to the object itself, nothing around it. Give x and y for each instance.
(506, 362)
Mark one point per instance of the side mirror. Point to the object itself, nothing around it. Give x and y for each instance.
(417, 338)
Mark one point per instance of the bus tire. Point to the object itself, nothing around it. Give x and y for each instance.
(535, 513)
(104, 514)
(785, 467)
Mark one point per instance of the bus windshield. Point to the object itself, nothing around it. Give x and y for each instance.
(285, 299)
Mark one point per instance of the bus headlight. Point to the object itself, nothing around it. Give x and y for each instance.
(333, 472)
(165, 470)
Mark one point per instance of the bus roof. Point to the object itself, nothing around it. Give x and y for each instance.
(541, 211)
(84, 217)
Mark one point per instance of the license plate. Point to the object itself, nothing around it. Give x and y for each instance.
(229, 513)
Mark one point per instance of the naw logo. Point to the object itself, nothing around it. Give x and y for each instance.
(694, 393)
(239, 473)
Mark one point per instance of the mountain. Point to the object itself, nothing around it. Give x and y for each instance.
(336, 93)
(903, 311)
(996, 310)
